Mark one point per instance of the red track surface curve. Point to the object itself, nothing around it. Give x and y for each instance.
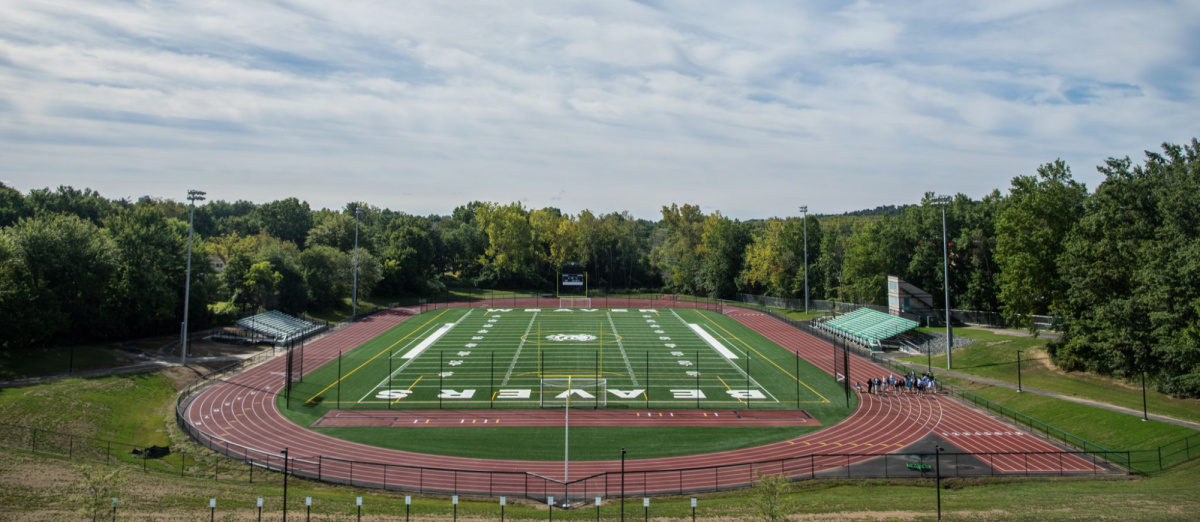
(241, 412)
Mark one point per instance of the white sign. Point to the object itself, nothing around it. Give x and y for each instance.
(407, 500)
(308, 501)
(259, 501)
(114, 502)
(454, 500)
(597, 501)
(502, 501)
(358, 501)
(212, 503)
(550, 500)
(646, 502)
(452, 394)
(693, 502)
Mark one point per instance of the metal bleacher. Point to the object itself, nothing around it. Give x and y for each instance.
(278, 326)
(868, 327)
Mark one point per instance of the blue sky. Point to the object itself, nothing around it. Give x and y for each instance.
(749, 107)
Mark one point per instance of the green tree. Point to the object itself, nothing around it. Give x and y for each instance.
(287, 219)
(336, 230)
(677, 256)
(62, 269)
(1032, 224)
(151, 256)
(408, 251)
(771, 498)
(12, 206)
(85, 204)
(722, 249)
(510, 253)
(95, 489)
(327, 273)
(1132, 273)
(259, 284)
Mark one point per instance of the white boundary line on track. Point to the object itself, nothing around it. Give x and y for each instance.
(517, 355)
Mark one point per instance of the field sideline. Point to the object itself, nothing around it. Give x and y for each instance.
(472, 358)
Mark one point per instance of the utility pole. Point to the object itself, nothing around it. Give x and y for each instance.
(1018, 371)
(804, 210)
(193, 196)
(944, 201)
(354, 300)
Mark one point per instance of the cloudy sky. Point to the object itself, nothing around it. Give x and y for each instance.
(748, 107)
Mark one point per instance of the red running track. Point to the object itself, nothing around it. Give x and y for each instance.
(240, 412)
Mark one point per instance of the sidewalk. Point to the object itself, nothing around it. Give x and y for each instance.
(152, 364)
(1036, 391)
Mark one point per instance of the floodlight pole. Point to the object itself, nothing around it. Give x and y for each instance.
(193, 196)
(804, 210)
(354, 300)
(944, 201)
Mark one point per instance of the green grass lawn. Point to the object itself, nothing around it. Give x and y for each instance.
(40, 488)
(994, 356)
(660, 364)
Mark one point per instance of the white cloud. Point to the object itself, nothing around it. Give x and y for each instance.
(750, 108)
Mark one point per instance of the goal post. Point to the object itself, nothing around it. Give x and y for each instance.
(574, 302)
(576, 393)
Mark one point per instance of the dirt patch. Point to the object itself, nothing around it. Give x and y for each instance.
(182, 376)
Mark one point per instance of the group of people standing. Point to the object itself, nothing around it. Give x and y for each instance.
(912, 383)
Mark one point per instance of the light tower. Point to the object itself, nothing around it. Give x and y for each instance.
(193, 196)
(804, 210)
(354, 307)
(944, 201)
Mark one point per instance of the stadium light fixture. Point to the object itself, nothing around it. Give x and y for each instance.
(804, 210)
(193, 196)
(944, 201)
(354, 300)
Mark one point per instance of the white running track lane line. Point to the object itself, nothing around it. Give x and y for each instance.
(621, 348)
(712, 341)
(517, 355)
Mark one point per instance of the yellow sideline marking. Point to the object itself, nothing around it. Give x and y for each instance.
(376, 357)
(410, 387)
(751, 348)
(727, 387)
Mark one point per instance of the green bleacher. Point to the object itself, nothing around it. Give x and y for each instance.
(869, 327)
(277, 325)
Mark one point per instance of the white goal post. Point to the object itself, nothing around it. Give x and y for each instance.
(574, 302)
(578, 393)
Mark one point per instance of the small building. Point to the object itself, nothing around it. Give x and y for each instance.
(909, 302)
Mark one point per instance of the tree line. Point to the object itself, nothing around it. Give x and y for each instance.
(1118, 268)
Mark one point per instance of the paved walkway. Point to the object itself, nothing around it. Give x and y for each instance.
(1036, 391)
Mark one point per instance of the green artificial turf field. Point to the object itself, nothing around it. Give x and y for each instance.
(472, 359)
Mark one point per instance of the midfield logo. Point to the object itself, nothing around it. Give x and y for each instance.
(571, 337)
